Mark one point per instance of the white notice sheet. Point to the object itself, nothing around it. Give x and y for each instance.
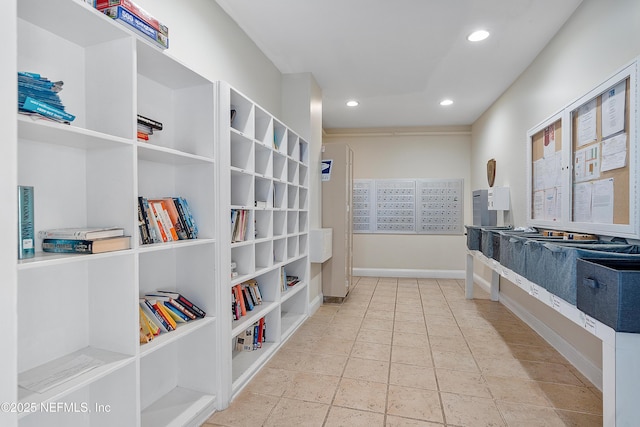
(602, 201)
(587, 123)
(582, 202)
(613, 103)
(614, 152)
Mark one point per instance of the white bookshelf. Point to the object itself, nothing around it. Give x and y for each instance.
(269, 163)
(90, 173)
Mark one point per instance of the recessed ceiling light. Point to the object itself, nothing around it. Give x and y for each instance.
(477, 36)
(352, 103)
(446, 102)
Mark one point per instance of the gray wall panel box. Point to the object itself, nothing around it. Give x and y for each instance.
(481, 213)
(498, 198)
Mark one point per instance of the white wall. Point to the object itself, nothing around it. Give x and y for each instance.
(409, 153)
(601, 37)
(205, 38)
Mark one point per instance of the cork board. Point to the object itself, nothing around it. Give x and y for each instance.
(546, 177)
(592, 169)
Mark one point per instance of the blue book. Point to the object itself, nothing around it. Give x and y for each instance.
(26, 246)
(46, 110)
(121, 14)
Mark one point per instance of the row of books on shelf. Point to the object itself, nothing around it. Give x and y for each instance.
(165, 219)
(146, 127)
(38, 96)
(162, 312)
(239, 225)
(252, 337)
(245, 297)
(287, 281)
(137, 19)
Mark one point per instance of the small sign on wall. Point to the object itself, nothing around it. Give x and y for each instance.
(326, 169)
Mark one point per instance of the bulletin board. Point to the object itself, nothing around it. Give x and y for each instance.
(600, 156)
(546, 179)
(582, 162)
(408, 206)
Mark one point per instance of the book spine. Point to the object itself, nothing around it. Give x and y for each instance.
(146, 121)
(166, 221)
(146, 211)
(158, 316)
(247, 298)
(46, 110)
(183, 217)
(147, 227)
(187, 210)
(136, 10)
(158, 222)
(184, 310)
(175, 313)
(159, 307)
(121, 14)
(175, 218)
(142, 227)
(191, 306)
(240, 298)
(26, 246)
(68, 246)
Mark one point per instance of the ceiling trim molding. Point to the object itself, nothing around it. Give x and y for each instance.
(410, 131)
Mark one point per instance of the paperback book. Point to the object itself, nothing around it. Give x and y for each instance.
(79, 246)
(26, 247)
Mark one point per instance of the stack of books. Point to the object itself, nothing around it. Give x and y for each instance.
(163, 311)
(165, 219)
(38, 95)
(239, 224)
(87, 240)
(245, 297)
(137, 19)
(252, 338)
(146, 127)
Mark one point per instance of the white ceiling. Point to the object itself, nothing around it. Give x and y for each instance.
(399, 58)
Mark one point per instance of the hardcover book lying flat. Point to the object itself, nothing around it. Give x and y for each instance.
(96, 246)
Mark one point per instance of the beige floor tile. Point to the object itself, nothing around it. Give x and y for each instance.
(288, 360)
(571, 398)
(516, 390)
(502, 367)
(411, 355)
(460, 361)
(448, 344)
(537, 354)
(379, 315)
(378, 324)
(410, 338)
(345, 332)
(413, 376)
(411, 316)
(420, 404)
(359, 394)
(579, 419)
(326, 364)
(374, 351)
(394, 421)
(551, 372)
(462, 382)
(247, 410)
(522, 415)
(312, 387)
(366, 369)
(470, 411)
(299, 342)
(414, 326)
(271, 381)
(375, 336)
(345, 417)
(289, 412)
(382, 305)
(332, 345)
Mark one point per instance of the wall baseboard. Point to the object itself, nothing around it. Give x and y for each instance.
(592, 372)
(315, 304)
(412, 273)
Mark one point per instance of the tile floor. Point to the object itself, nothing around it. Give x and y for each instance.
(415, 352)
